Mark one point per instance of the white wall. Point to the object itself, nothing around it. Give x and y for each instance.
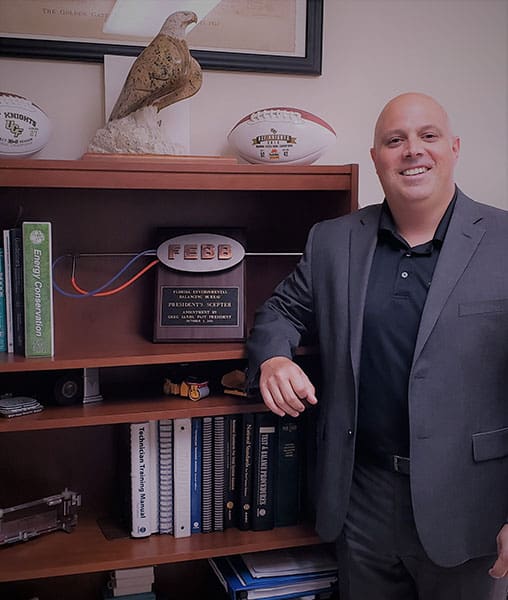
(455, 50)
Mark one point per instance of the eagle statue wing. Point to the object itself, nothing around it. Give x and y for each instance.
(164, 72)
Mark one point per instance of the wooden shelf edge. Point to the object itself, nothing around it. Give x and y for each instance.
(149, 354)
(115, 411)
(85, 550)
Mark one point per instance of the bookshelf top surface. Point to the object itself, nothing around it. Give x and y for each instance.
(168, 173)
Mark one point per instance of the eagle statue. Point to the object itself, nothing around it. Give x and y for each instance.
(164, 72)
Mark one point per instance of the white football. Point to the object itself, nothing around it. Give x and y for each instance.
(281, 135)
(24, 127)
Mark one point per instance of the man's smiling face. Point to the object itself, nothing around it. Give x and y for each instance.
(415, 151)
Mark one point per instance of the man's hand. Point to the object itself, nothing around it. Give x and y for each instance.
(500, 568)
(284, 386)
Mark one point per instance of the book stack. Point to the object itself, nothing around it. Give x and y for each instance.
(130, 584)
(309, 572)
(26, 291)
(204, 474)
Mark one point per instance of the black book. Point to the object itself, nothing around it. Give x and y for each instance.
(265, 445)
(231, 464)
(245, 471)
(17, 285)
(287, 477)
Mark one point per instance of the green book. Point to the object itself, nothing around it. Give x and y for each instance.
(38, 289)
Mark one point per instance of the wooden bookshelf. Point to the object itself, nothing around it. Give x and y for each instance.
(103, 209)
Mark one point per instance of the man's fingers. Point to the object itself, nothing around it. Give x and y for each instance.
(270, 402)
(283, 397)
(498, 570)
(500, 567)
(285, 387)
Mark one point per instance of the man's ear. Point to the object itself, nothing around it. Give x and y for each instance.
(456, 147)
(373, 155)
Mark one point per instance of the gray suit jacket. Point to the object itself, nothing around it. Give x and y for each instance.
(458, 389)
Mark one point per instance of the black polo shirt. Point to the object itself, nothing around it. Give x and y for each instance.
(399, 280)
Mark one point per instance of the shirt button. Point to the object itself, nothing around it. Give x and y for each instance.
(408, 254)
(404, 274)
(350, 432)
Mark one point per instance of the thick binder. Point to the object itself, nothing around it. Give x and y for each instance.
(182, 476)
(207, 476)
(166, 476)
(141, 521)
(218, 473)
(196, 467)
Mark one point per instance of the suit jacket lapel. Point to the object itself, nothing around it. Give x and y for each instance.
(361, 252)
(462, 238)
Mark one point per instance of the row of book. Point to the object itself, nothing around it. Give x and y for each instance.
(26, 290)
(204, 474)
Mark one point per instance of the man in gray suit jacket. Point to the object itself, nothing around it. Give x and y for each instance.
(409, 303)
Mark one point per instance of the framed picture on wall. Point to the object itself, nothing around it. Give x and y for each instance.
(233, 35)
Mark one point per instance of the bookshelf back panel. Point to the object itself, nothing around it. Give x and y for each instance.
(122, 223)
(86, 460)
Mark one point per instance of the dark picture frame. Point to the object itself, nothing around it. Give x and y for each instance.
(310, 64)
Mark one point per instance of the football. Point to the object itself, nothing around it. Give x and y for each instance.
(281, 135)
(24, 127)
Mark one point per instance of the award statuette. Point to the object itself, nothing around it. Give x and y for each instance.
(200, 288)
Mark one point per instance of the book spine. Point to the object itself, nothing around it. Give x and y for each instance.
(196, 468)
(218, 473)
(166, 476)
(231, 462)
(8, 290)
(38, 286)
(3, 316)
(245, 471)
(153, 473)
(265, 431)
(207, 476)
(18, 301)
(138, 573)
(182, 471)
(140, 481)
(287, 478)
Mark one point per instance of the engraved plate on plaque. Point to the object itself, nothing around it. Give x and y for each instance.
(197, 305)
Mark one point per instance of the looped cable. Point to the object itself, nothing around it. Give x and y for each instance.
(101, 291)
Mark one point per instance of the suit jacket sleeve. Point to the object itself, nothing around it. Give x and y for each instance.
(285, 318)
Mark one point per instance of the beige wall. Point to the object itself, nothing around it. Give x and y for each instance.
(456, 50)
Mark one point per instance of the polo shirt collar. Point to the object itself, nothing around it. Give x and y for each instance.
(387, 228)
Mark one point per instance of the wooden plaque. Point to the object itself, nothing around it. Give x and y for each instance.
(200, 306)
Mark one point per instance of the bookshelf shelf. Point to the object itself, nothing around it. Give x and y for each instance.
(86, 550)
(103, 209)
(143, 353)
(117, 411)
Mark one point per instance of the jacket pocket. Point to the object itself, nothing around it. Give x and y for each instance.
(490, 444)
(483, 307)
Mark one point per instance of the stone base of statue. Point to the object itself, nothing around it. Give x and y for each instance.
(141, 132)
